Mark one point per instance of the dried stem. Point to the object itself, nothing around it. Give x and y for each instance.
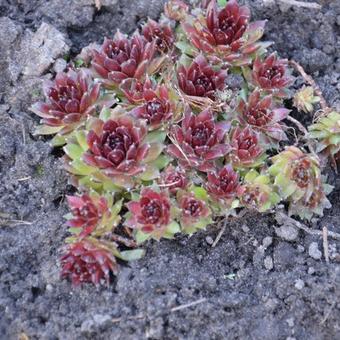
(306, 229)
(325, 243)
(312, 5)
(305, 132)
(123, 240)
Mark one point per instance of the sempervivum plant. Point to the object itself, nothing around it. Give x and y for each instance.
(271, 74)
(296, 173)
(327, 131)
(257, 192)
(115, 153)
(225, 34)
(121, 58)
(157, 106)
(199, 141)
(152, 215)
(70, 99)
(162, 35)
(200, 79)
(173, 178)
(246, 150)
(92, 214)
(222, 185)
(194, 210)
(186, 128)
(88, 261)
(298, 178)
(261, 115)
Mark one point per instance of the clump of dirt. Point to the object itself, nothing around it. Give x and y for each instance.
(256, 283)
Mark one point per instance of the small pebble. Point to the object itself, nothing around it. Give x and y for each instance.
(209, 240)
(245, 228)
(311, 270)
(49, 287)
(299, 284)
(300, 248)
(314, 251)
(287, 233)
(59, 65)
(290, 322)
(268, 263)
(267, 241)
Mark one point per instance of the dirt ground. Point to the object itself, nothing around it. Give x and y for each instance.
(257, 283)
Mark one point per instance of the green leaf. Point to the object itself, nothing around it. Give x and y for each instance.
(73, 151)
(105, 114)
(76, 231)
(222, 3)
(150, 173)
(117, 207)
(173, 227)
(47, 130)
(58, 140)
(81, 139)
(132, 255)
(81, 168)
(141, 237)
(161, 162)
(156, 136)
(200, 193)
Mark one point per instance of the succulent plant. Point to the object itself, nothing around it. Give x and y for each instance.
(305, 208)
(304, 99)
(158, 107)
(173, 178)
(122, 58)
(114, 154)
(92, 214)
(70, 99)
(296, 173)
(246, 150)
(194, 209)
(261, 115)
(222, 184)
(225, 35)
(200, 79)
(199, 141)
(257, 192)
(151, 216)
(327, 131)
(271, 74)
(88, 261)
(162, 35)
(176, 131)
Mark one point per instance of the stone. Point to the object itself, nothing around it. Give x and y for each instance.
(268, 263)
(287, 233)
(314, 251)
(59, 65)
(209, 240)
(299, 284)
(267, 241)
(311, 271)
(41, 49)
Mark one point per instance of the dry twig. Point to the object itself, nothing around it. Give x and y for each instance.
(325, 243)
(306, 229)
(220, 233)
(312, 5)
(305, 132)
(172, 310)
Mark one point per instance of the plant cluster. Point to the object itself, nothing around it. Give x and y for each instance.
(158, 142)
